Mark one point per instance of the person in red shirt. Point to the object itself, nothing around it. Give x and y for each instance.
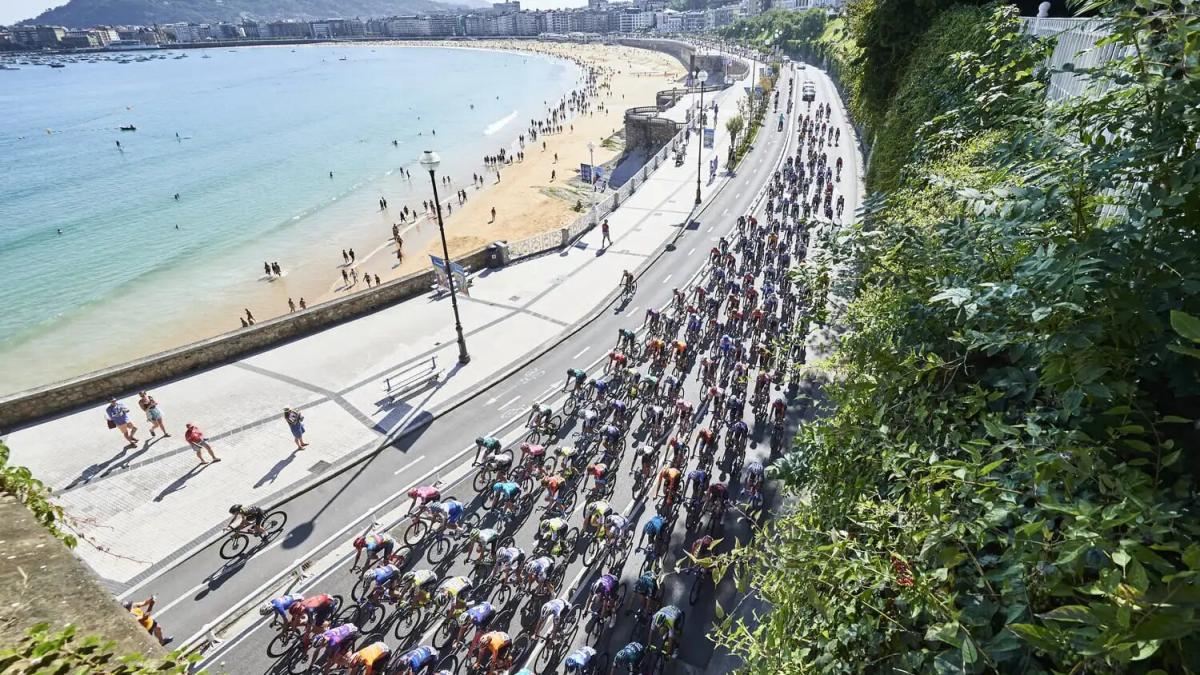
(196, 439)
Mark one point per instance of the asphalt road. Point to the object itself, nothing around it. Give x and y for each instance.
(203, 587)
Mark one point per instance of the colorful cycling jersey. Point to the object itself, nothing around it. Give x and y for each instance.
(618, 406)
(375, 542)
(314, 604)
(600, 509)
(718, 490)
(616, 523)
(486, 535)
(653, 526)
(580, 658)
(605, 585)
(669, 475)
(450, 509)
(508, 488)
(552, 483)
(540, 567)
(739, 427)
(481, 614)
(754, 469)
(372, 654)
(666, 617)
(697, 476)
(647, 584)
(340, 634)
(418, 658)
(385, 574)
(601, 385)
(454, 587)
(589, 416)
(500, 460)
(426, 493)
(552, 526)
(533, 450)
(496, 641)
(598, 470)
(631, 654)
(421, 578)
(610, 431)
(283, 604)
(555, 607)
(509, 555)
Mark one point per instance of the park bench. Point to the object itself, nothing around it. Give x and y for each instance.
(411, 378)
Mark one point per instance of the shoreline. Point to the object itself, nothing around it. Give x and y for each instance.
(526, 202)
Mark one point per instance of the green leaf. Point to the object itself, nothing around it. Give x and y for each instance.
(969, 653)
(1071, 614)
(1039, 637)
(1186, 325)
(1191, 557)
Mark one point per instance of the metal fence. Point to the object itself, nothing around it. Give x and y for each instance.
(1076, 45)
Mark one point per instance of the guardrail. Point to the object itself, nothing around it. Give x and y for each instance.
(1076, 43)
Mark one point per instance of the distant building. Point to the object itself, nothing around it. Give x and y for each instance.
(80, 39)
(511, 7)
(719, 17)
(635, 20)
(286, 29)
(190, 32)
(38, 37)
(558, 23)
(694, 21)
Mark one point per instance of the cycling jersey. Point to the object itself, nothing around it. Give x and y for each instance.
(600, 509)
(481, 614)
(418, 658)
(283, 604)
(754, 469)
(616, 523)
(540, 567)
(670, 476)
(610, 431)
(338, 635)
(552, 526)
(533, 450)
(488, 443)
(666, 617)
(653, 526)
(509, 555)
(375, 542)
(454, 587)
(697, 476)
(500, 460)
(423, 579)
(553, 483)
(385, 574)
(739, 427)
(717, 491)
(449, 509)
(605, 585)
(318, 608)
(508, 489)
(484, 536)
(631, 654)
(425, 493)
(372, 655)
(555, 607)
(252, 514)
(598, 470)
(496, 641)
(647, 584)
(579, 659)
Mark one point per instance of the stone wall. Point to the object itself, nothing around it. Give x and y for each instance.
(129, 377)
(42, 581)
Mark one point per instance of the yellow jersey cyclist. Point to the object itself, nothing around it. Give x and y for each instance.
(484, 540)
(493, 653)
(596, 513)
(337, 642)
(566, 458)
(378, 547)
(421, 584)
(550, 532)
(371, 660)
(538, 574)
(454, 593)
(247, 519)
(666, 623)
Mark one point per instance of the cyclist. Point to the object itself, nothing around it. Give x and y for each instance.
(708, 369)
(421, 583)
(617, 359)
(499, 462)
(454, 593)
(509, 560)
(645, 456)
(552, 485)
(597, 512)
(717, 498)
(619, 410)
(423, 494)
(735, 407)
(247, 517)
(698, 480)
(551, 617)
(576, 378)
(738, 431)
(378, 547)
(337, 642)
(685, 410)
(450, 512)
(752, 478)
(762, 385)
(610, 434)
(703, 547)
(654, 416)
(492, 652)
(591, 418)
(603, 599)
(626, 340)
(385, 578)
(280, 607)
(646, 586)
(537, 575)
(778, 411)
(506, 495)
(651, 532)
(486, 540)
(679, 451)
(539, 416)
(579, 660)
(681, 350)
(653, 316)
(665, 622)
(370, 659)
(627, 281)
(615, 526)
(598, 472)
(315, 613)
(629, 656)
(484, 446)
(533, 456)
(668, 478)
(416, 660)
(479, 615)
(550, 531)
(674, 386)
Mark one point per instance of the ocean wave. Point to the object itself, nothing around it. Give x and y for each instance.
(499, 124)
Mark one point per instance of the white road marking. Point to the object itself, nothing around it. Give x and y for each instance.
(511, 401)
(667, 278)
(410, 465)
(582, 352)
(692, 251)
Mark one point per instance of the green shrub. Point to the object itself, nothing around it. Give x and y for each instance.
(46, 651)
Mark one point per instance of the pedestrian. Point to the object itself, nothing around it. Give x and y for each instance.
(345, 277)
(367, 278)
(351, 255)
(267, 268)
(399, 256)
(604, 234)
(291, 306)
(141, 612)
(196, 439)
(303, 304)
(249, 317)
(278, 270)
(556, 158)
(354, 275)
(551, 175)
(493, 214)
(243, 320)
(345, 257)
(377, 280)
(295, 422)
(118, 418)
(153, 415)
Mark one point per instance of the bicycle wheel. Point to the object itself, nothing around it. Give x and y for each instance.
(592, 552)
(535, 436)
(447, 634)
(367, 616)
(273, 523)
(697, 586)
(415, 531)
(282, 643)
(360, 588)
(481, 480)
(407, 623)
(439, 550)
(570, 406)
(234, 546)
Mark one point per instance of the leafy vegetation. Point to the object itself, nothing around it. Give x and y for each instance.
(789, 29)
(19, 482)
(46, 651)
(1005, 477)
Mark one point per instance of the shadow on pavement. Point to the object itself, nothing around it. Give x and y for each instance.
(181, 482)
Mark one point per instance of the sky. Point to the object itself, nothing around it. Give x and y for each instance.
(12, 11)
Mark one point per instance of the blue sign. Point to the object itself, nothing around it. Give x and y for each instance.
(709, 137)
(597, 174)
(460, 275)
(585, 173)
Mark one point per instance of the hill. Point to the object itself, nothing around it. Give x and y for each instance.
(85, 13)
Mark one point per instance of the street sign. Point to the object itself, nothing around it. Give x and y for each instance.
(709, 137)
(585, 173)
(460, 275)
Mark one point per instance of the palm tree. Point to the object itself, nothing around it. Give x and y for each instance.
(734, 126)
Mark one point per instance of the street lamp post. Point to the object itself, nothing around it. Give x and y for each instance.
(430, 160)
(592, 159)
(701, 77)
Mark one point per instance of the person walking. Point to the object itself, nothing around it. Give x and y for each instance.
(153, 415)
(345, 257)
(351, 256)
(118, 418)
(303, 304)
(291, 306)
(295, 422)
(196, 439)
(249, 317)
(605, 236)
(345, 277)
(141, 612)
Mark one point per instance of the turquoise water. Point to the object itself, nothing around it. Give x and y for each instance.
(258, 130)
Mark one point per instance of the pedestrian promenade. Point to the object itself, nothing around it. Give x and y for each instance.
(137, 507)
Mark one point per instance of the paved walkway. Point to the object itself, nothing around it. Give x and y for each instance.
(134, 508)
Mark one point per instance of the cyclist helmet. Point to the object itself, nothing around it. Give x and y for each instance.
(360, 542)
(265, 609)
(235, 509)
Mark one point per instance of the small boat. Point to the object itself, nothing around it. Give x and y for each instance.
(58, 65)
(5, 66)
(129, 127)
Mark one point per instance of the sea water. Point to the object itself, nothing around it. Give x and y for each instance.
(247, 139)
